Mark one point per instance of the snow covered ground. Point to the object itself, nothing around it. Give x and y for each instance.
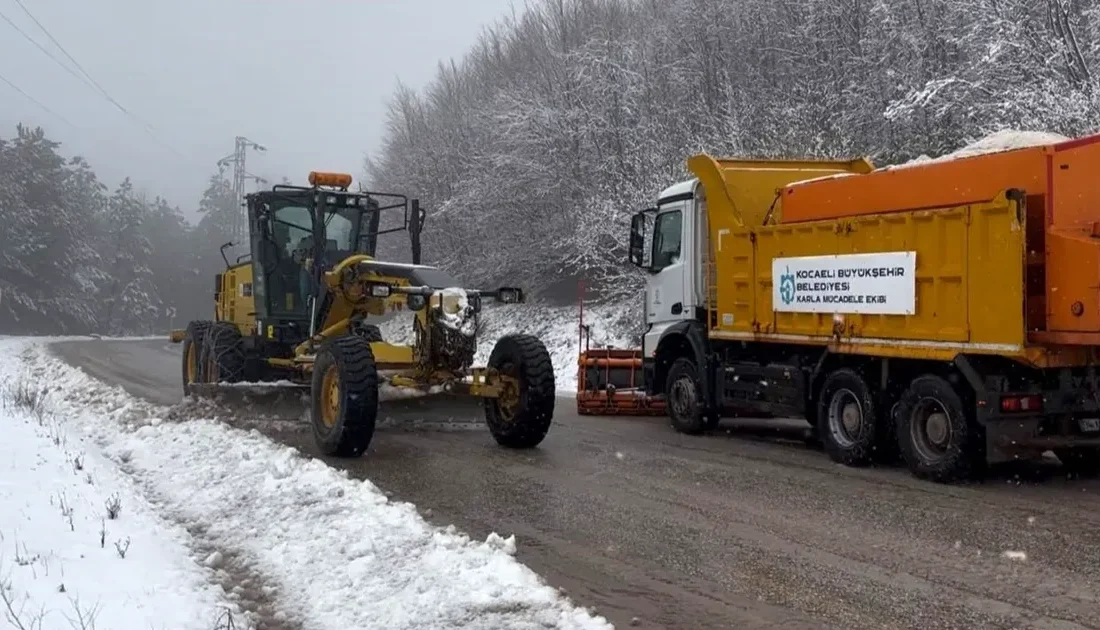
(557, 326)
(216, 521)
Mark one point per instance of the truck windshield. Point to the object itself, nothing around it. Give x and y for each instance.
(666, 239)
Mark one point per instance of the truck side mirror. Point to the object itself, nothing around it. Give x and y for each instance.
(637, 239)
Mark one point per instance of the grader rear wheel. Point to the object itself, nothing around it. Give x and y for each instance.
(223, 357)
(344, 396)
(192, 354)
(520, 417)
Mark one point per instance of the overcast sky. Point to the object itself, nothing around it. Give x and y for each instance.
(306, 78)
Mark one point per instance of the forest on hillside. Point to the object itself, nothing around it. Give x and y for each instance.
(78, 256)
(532, 151)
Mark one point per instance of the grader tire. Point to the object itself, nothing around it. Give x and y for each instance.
(223, 354)
(370, 332)
(344, 396)
(192, 353)
(521, 419)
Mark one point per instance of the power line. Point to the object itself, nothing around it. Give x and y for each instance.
(87, 78)
(34, 100)
(43, 28)
(40, 47)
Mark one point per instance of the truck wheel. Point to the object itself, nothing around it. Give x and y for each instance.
(223, 359)
(520, 416)
(936, 436)
(683, 393)
(847, 418)
(192, 353)
(1082, 462)
(344, 393)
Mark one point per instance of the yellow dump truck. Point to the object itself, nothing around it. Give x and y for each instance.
(948, 310)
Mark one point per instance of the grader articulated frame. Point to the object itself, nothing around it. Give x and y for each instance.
(294, 318)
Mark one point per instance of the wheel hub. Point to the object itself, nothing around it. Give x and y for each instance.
(330, 397)
(683, 395)
(508, 400)
(845, 417)
(191, 364)
(851, 418)
(936, 427)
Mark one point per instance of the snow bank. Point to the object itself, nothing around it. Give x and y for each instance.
(556, 326)
(78, 542)
(338, 552)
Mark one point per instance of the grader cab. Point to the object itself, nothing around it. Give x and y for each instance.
(297, 312)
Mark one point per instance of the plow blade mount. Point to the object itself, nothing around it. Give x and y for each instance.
(406, 408)
(610, 382)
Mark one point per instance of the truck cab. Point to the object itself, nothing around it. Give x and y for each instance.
(674, 291)
(670, 242)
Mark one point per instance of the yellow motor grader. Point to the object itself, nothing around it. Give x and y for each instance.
(295, 312)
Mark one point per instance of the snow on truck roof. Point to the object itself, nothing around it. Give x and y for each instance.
(997, 142)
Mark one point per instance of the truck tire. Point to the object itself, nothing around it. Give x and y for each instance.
(847, 418)
(1081, 462)
(683, 399)
(192, 353)
(520, 418)
(344, 396)
(223, 358)
(937, 437)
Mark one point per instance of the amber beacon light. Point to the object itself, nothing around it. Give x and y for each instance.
(336, 180)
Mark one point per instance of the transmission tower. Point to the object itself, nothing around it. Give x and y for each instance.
(241, 145)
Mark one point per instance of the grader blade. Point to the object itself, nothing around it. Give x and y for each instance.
(412, 410)
(275, 401)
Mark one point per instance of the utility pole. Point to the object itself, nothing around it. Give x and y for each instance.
(240, 176)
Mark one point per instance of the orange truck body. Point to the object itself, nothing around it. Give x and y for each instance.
(1062, 243)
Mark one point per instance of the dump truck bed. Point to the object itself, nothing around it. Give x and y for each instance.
(992, 254)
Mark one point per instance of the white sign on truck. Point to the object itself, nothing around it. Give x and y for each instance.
(883, 283)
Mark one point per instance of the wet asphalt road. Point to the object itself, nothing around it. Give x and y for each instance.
(741, 529)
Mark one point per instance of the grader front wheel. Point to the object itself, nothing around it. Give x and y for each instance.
(344, 396)
(520, 417)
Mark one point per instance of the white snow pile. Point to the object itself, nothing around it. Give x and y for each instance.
(456, 311)
(79, 547)
(556, 326)
(332, 552)
(997, 142)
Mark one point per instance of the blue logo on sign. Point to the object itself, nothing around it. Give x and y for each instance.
(786, 286)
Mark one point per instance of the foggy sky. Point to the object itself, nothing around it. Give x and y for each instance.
(306, 78)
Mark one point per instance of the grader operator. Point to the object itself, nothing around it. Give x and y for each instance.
(296, 312)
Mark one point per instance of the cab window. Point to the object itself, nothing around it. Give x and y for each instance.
(666, 239)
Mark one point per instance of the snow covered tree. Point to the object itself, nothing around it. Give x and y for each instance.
(129, 297)
(565, 118)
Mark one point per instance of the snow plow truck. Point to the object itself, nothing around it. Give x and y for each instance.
(947, 311)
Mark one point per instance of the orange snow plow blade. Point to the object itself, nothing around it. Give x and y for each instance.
(609, 383)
